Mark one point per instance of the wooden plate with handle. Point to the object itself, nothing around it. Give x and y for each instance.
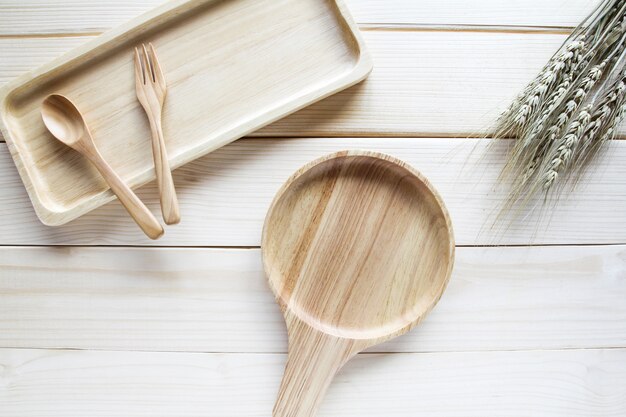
(358, 248)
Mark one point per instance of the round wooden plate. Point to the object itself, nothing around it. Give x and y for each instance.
(358, 248)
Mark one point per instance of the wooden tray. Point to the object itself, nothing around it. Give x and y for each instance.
(232, 66)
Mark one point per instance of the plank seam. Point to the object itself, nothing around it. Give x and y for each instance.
(428, 27)
(195, 247)
(565, 349)
(382, 27)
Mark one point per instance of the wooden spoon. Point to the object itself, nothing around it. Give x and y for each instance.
(67, 124)
(358, 248)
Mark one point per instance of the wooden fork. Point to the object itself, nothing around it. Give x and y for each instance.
(151, 92)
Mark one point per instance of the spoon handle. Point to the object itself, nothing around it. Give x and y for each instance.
(138, 211)
(313, 361)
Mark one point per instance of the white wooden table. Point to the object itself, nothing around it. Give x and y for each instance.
(97, 321)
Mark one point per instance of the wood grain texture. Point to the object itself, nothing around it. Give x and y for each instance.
(88, 16)
(20, 55)
(522, 299)
(216, 300)
(358, 248)
(423, 83)
(525, 13)
(495, 384)
(224, 196)
(225, 82)
(450, 84)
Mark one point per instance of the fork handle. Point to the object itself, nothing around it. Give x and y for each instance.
(165, 182)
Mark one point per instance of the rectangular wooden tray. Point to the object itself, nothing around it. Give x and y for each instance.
(232, 67)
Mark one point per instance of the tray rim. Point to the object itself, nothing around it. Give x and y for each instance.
(50, 217)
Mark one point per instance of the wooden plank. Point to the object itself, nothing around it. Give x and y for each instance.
(26, 54)
(428, 84)
(224, 196)
(493, 384)
(423, 84)
(217, 300)
(547, 13)
(80, 16)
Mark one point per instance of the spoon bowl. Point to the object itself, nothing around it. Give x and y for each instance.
(358, 248)
(63, 119)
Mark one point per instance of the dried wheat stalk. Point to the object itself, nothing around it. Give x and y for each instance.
(571, 109)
